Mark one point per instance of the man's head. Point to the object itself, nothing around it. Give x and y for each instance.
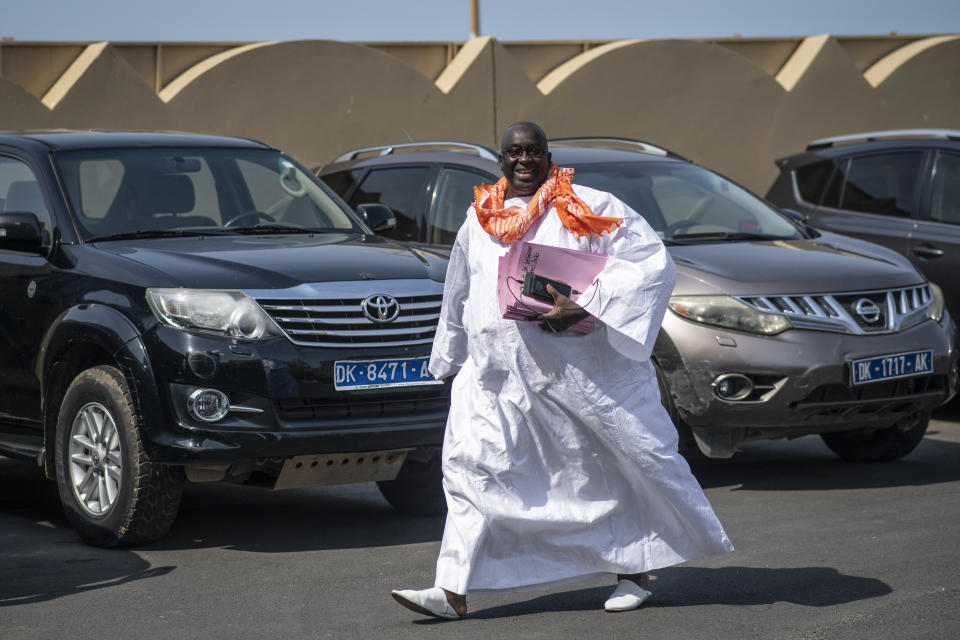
(524, 158)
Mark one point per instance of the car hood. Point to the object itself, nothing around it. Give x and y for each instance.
(826, 264)
(273, 261)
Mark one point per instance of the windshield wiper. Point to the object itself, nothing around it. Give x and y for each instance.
(156, 233)
(722, 236)
(274, 228)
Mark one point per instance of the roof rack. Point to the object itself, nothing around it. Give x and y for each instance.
(387, 149)
(588, 141)
(870, 136)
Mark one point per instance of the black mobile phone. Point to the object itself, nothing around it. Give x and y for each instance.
(536, 286)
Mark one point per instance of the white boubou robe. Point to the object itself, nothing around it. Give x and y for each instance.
(559, 462)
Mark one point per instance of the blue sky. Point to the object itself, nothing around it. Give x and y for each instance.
(442, 20)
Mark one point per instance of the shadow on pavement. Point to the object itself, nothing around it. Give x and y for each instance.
(691, 586)
(264, 521)
(229, 516)
(41, 557)
(807, 464)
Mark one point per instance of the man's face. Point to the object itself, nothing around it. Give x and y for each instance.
(524, 160)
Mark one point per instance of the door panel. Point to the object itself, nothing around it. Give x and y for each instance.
(935, 245)
(890, 232)
(24, 297)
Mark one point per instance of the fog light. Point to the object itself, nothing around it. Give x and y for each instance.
(208, 405)
(732, 386)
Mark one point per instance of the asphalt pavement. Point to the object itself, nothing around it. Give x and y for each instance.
(824, 550)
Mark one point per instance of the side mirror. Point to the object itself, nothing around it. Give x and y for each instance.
(20, 231)
(378, 217)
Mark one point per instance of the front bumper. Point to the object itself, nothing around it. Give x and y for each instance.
(292, 406)
(804, 377)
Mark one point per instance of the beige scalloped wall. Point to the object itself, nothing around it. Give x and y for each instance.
(734, 105)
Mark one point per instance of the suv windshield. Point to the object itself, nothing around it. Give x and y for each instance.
(170, 191)
(687, 203)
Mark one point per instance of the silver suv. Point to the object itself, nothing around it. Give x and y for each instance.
(775, 330)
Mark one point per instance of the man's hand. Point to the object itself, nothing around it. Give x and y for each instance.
(565, 313)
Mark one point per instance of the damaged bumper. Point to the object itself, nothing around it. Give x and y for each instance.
(800, 381)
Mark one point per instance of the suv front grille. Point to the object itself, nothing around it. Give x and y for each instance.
(331, 315)
(867, 312)
(878, 320)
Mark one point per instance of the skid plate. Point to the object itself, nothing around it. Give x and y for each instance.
(340, 468)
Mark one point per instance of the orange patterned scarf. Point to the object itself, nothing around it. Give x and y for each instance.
(511, 223)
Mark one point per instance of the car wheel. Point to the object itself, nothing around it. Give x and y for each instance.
(687, 444)
(111, 492)
(879, 445)
(418, 488)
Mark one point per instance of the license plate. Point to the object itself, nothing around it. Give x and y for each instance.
(898, 365)
(377, 374)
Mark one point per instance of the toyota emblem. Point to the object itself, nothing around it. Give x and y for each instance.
(867, 310)
(380, 308)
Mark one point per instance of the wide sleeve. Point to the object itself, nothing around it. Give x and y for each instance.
(631, 293)
(450, 343)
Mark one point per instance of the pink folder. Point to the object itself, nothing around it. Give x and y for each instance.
(577, 268)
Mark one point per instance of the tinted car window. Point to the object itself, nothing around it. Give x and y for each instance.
(342, 181)
(832, 197)
(20, 191)
(882, 184)
(451, 199)
(116, 191)
(812, 178)
(402, 189)
(945, 203)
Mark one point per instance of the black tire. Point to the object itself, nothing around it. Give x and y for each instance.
(687, 445)
(129, 500)
(879, 445)
(417, 489)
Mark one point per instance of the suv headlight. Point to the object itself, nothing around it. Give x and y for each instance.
(229, 313)
(725, 311)
(935, 309)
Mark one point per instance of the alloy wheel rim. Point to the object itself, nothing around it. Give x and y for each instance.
(96, 463)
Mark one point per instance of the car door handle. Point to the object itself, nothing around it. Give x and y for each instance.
(927, 252)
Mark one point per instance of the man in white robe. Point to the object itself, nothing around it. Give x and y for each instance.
(559, 461)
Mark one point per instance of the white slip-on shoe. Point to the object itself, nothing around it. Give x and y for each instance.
(627, 596)
(429, 602)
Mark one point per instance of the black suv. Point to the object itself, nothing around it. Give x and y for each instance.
(897, 188)
(179, 307)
